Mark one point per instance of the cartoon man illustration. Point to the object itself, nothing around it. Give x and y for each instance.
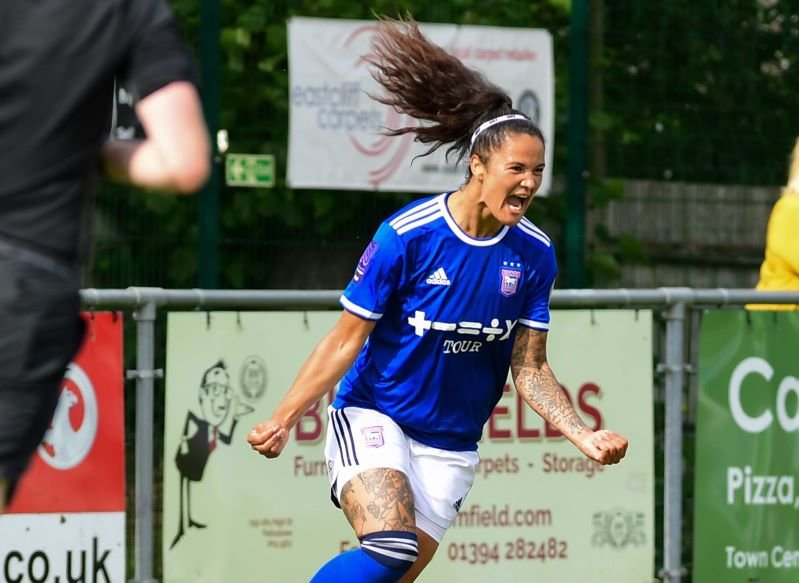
(202, 434)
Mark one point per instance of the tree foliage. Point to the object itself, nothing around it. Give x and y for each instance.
(257, 225)
(699, 90)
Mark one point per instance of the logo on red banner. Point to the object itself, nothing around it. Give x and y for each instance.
(74, 426)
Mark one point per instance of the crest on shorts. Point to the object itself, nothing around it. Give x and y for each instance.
(509, 275)
(373, 436)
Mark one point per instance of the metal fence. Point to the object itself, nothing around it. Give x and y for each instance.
(674, 362)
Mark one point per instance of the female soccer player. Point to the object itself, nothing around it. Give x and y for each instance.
(452, 291)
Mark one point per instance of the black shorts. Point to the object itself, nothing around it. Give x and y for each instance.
(40, 332)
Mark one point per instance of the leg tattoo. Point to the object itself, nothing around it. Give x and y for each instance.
(378, 500)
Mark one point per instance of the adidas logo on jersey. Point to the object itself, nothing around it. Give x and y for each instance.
(438, 277)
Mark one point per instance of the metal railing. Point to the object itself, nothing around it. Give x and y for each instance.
(674, 303)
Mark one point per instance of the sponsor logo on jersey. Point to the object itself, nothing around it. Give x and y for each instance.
(496, 330)
(438, 277)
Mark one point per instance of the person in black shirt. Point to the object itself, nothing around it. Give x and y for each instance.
(58, 65)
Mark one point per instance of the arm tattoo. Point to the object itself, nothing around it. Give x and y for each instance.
(537, 384)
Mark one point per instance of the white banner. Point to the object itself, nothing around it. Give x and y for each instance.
(538, 511)
(230, 514)
(60, 548)
(334, 138)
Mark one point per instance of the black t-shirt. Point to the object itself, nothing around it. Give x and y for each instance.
(58, 62)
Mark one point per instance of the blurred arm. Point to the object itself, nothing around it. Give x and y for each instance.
(175, 156)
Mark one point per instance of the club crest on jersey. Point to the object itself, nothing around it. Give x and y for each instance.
(509, 279)
(373, 436)
(363, 262)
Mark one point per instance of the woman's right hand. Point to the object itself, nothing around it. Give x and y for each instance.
(268, 438)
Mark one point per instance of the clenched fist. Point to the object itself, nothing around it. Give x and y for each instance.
(603, 446)
(268, 438)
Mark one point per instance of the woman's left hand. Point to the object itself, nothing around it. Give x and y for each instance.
(604, 446)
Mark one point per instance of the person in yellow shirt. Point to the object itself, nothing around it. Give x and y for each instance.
(780, 268)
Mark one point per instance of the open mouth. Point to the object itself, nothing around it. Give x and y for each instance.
(517, 202)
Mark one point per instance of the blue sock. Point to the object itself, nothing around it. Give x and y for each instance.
(372, 565)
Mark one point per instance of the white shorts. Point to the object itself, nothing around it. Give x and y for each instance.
(362, 439)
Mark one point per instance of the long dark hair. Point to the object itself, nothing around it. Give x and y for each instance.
(423, 81)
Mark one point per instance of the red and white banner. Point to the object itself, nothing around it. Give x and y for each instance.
(67, 521)
(335, 138)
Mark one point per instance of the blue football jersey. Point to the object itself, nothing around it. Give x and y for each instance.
(447, 308)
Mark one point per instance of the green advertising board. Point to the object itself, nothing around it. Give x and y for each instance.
(746, 521)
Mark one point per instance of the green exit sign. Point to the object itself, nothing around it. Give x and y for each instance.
(253, 170)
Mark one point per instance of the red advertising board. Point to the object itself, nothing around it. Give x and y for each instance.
(80, 465)
(67, 520)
